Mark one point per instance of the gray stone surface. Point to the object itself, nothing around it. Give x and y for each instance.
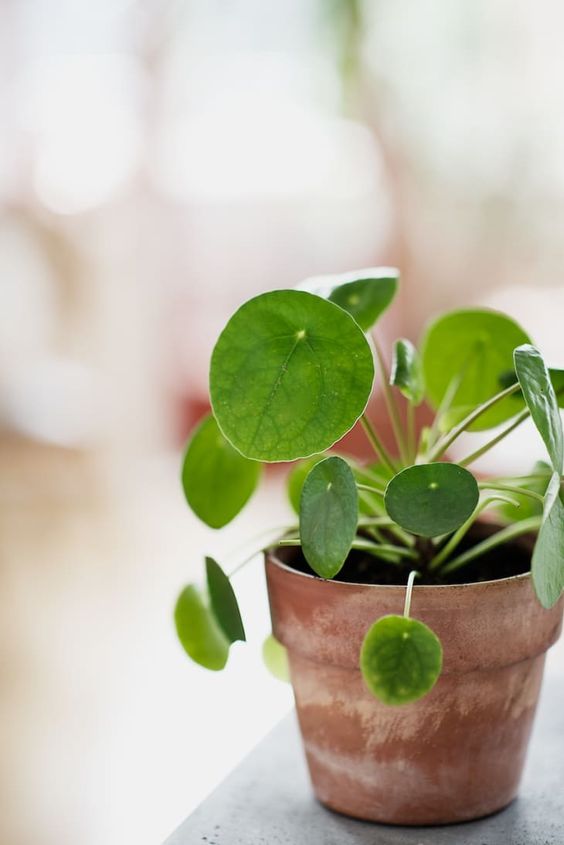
(267, 800)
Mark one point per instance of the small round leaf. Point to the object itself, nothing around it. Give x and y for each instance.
(365, 294)
(431, 499)
(328, 516)
(400, 659)
(275, 658)
(290, 374)
(406, 373)
(477, 347)
(224, 602)
(198, 631)
(297, 476)
(217, 480)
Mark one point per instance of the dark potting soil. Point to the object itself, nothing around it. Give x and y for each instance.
(512, 558)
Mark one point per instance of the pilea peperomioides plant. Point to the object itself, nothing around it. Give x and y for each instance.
(291, 373)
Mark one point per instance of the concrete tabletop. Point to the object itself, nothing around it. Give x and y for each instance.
(267, 800)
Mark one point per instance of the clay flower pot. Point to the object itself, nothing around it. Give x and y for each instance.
(454, 755)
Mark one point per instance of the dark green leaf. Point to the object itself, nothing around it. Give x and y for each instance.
(400, 659)
(328, 516)
(275, 658)
(540, 398)
(217, 480)
(224, 602)
(477, 347)
(200, 635)
(296, 478)
(432, 499)
(548, 557)
(407, 374)
(290, 374)
(528, 506)
(365, 294)
(557, 379)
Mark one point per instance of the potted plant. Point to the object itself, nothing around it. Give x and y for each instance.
(415, 600)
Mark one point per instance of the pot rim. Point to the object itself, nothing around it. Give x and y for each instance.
(270, 556)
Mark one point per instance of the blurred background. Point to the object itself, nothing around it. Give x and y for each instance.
(160, 162)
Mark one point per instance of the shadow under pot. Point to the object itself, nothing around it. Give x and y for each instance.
(454, 755)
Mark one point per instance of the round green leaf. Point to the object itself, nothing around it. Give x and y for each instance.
(200, 635)
(547, 566)
(406, 373)
(290, 374)
(477, 347)
(328, 516)
(400, 659)
(217, 480)
(541, 401)
(275, 658)
(365, 294)
(224, 602)
(296, 478)
(431, 499)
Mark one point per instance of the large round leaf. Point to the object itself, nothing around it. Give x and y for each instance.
(217, 480)
(541, 401)
(224, 602)
(477, 347)
(365, 294)
(328, 516)
(400, 659)
(431, 499)
(198, 631)
(290, 374)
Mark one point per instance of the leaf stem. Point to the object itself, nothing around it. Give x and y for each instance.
(447, 441)
(411, 438)
(491, 443)
(391, 405)
(497, 539)
(407, 606)
(369, 489)
(377, 444)
(522, 491)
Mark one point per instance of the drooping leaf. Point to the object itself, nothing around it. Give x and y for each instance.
(217, 480)
(365, 294)
(548, 557)
(541, 401)
(407, 373)
(275, 658)
(528, 506)
(198, 631)
(290, 374)
(432, 499)
(223, 602)
(400, 659)
(296, 478)
(328, 516)
(475, 346)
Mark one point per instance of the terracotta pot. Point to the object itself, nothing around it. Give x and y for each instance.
(454, 755)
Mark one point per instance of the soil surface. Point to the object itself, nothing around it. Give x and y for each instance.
(512, 558)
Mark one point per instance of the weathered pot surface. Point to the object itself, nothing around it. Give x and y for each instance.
(454, 755)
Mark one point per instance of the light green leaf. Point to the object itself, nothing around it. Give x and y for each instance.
(406, 373)
(217, 480)
(297, 476)
(477, 347)
(224, 602)
(328, 516)
(400, 659)
(365, 294)
(290, 375)
(541, 401)
(432, 499)
(528, 506)
(275, 658)
(548, 557)
(200, 635)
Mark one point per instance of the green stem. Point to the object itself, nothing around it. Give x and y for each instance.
(377, 444)
(447, 441)
(509, 533)
(491, 443)
(411, 438)
(384, 550)
(444, 406)
(367, 487)
(522, 491)
(391, 405)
